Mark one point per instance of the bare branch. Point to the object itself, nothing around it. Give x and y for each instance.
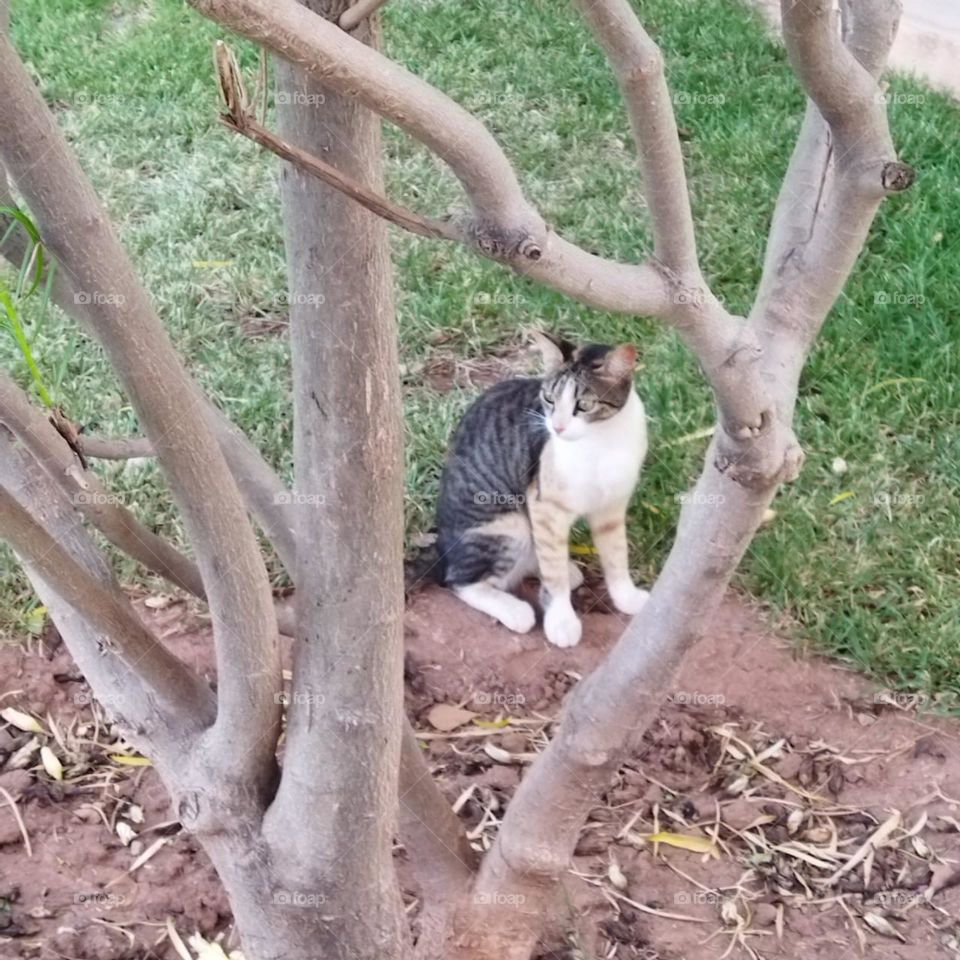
(503, 226)
(362, 9)
(869, 29)
(181, 692)
(831, 192)
(349, 66)
(241, 119)
(116, 448)
(86, 492)
(727, 350)
(78, 234)
(843, 90)
(638, 64)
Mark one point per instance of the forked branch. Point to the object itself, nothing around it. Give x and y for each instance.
(180, 691)
(76, 231)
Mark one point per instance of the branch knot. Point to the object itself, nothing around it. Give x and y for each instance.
(897, 176)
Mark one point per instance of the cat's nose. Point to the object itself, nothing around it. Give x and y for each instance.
(559, 428)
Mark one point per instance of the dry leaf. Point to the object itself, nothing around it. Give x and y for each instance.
(499, 754)
(51, 763)
(616, 875)
(130, 760)
(125, 832)
(492, 724)
(447, 716)
(921, 847)
(21, 720)
(880, 924)
(158, 602)
(685, 841)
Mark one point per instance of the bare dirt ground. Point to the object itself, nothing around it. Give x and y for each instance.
(779, 808)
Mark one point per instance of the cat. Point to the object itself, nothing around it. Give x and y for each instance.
(529, 457)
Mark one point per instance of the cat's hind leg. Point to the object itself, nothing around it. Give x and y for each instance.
(488, 562)
(515, 614)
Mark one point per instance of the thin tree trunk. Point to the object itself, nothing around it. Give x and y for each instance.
(346, 711)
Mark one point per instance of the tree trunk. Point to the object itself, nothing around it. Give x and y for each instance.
(346, 709)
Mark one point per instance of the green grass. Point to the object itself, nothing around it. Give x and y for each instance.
(871, 577)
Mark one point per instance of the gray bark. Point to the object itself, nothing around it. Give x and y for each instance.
(320, 839)
(346, 711)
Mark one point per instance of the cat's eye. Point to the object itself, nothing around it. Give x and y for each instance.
(547, 401)
(586, 405)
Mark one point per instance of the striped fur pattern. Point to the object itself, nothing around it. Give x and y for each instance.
(529, 457)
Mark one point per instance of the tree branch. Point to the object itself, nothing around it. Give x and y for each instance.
(240, 117)
(830, 193)
(362, 9)
(181, 693)
(843, 90)
(727, 350)
(503, 225)
(349, 66)
(115, 448)
(76, 231)
(87, 493)
(263, 491)
(638, 65)
(607, 713)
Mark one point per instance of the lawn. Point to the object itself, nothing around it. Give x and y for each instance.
(861, 558)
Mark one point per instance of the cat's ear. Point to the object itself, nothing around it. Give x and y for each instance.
(621, 361)
(555, 351)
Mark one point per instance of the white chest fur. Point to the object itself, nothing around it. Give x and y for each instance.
(599, 469)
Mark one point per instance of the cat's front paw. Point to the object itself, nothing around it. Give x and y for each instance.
(627, 598)
(561, 625)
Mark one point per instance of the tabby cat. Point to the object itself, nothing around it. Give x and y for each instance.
(529, 457)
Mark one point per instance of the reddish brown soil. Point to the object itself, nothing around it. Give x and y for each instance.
(75, 897)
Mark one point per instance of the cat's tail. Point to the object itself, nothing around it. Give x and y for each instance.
(425, 566)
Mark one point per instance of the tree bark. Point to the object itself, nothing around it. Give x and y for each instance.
(307, 863)
(346, 712)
